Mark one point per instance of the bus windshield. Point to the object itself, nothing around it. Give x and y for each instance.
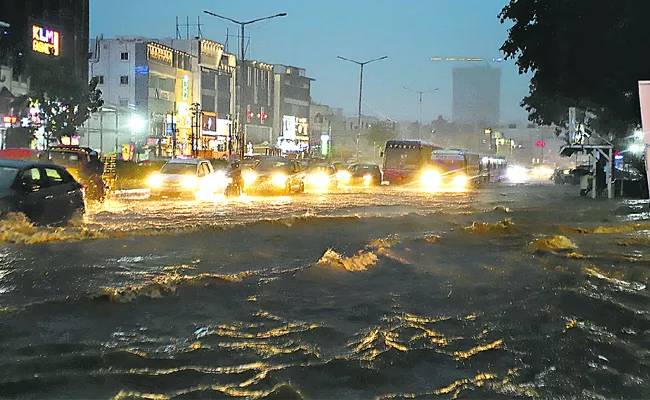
(449, 163)
(402, 158)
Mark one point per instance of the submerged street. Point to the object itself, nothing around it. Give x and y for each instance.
(508, 291)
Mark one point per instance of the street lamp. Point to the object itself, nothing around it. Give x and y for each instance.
(361, 64)
(420, 92)
(137, 124)
(242, 24)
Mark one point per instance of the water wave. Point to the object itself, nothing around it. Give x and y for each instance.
(555, 243)
(359, 262)
(161, 285)
(483, 227)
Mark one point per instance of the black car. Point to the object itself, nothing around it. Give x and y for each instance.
(274, 175)
(365, 174)
(321, 175)
(46, 193)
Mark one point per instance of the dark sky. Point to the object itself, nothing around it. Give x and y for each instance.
(314, 32)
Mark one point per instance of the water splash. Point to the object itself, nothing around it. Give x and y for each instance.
(359, 262)
(483, 227)
(556, 243)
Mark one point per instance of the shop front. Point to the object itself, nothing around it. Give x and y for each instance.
(213, 142)
(294, 139)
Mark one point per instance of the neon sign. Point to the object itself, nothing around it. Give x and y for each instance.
(46, 41)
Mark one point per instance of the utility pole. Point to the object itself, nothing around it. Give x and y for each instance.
(361, 64)
(420, 92)
(242, 106)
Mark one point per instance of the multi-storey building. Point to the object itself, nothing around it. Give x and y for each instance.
(292, 97)
(148, 88)
(214, 83)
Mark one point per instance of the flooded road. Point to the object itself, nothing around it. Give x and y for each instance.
(511, 291)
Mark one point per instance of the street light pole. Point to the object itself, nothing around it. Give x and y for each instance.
(420, 92)
(360, 64)
(240, 119)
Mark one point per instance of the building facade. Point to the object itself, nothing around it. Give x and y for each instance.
(477, 95)
(325, 126)
(148, 97)
(214, 83)
(258, 105)
(292, 94)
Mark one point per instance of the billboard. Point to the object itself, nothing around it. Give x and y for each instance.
(289, 127)
(209, 124)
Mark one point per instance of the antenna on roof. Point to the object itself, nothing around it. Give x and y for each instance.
(178, 32)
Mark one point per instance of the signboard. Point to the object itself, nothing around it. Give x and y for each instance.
(644, 99)
(324, 144)
(185, 87)
(46, 41)
(209, 124)
(223, 127)
(289, 127)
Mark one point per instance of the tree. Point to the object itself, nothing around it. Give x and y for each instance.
(378, 134)
(65, 102)
(582, 54)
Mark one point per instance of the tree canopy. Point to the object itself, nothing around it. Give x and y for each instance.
(584, 54)
(65, 102)
(378, 134)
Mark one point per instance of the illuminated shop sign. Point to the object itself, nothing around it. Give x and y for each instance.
(289, 127)
(46, 41)
(185, 88)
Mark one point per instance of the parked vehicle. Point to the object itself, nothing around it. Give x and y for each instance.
(194, 177)
(45, 193)
(274, 175)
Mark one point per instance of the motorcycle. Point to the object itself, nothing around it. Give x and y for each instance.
(96, 189)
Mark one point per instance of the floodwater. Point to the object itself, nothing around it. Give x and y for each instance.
(510, 291)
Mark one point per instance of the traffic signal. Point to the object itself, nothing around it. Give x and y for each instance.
(249, 114)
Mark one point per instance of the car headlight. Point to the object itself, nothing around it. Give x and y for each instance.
(154, 181)
(319, 180)
(190, 182)
(367, 179)
(221, 178)
(343, 177)
(249, 178)
(279, 180)
(431, 179)
(459, 182)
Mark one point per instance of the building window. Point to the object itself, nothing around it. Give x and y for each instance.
(124, 102)
(248, 80)
(124, 80)
(100, 79)
(124, 56)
